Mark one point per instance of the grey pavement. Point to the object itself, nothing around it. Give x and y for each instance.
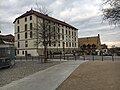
(48, 79)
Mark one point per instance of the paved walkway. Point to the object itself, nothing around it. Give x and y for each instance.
(48, 79)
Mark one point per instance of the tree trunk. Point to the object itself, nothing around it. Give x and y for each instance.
(45, 53)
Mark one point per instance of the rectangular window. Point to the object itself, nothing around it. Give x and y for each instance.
(74, 33)
(17, 51)
(75, 44)
(23, 52)
(26, 35)
(62, 37)
(75, 38)
(72, 44)
(18, 36)
(30, 26)
(18, 29)
(58, 30)
(26, 44)
(59, 36)
(66, 44)
(25, 27)
(66, 31)
(59, 44)
(69, 44)
(30, 17)
(18, 44)
(25, 19)
(69, 32)
(31, 34)
(62, 31)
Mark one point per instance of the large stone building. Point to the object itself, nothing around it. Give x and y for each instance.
(90, 44)
(25, 38)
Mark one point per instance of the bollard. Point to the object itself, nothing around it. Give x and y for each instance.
(112, 58)
(102, 57)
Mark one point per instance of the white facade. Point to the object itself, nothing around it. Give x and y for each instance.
(25, 43)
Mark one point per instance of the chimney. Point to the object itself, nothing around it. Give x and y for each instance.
(98, 35)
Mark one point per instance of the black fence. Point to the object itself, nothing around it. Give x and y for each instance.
(67, 57)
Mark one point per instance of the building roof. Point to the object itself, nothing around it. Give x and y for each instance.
(8, 38)
(89, 40)
(45, 17)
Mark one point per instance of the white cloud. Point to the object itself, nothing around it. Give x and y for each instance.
(84, 14)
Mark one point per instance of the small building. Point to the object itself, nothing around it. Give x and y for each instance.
(90, 45)
(8, 38)
(7, 49)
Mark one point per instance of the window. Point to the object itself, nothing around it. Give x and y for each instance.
(18, 44)
(30, 26)
(31, 34)
(17, 21)
(66, 31)
(25, 27)
(26, 44)
(75, 39)
(17, 51)
(18, 36)
(62, 37)
(58, 36)
(74, 33)
(23, 52)
(30, 17)
(58, 30)
(59, 44)
(72, 44)
(18, 29)
(69, 44)
(69, 32)
(26, 35)
(62, 31)
(25, 19)
(66, 44)
(75, 44)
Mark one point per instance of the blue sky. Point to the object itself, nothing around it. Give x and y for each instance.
(83, 14)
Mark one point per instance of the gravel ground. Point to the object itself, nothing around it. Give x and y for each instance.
(94, 75)
(22, 69)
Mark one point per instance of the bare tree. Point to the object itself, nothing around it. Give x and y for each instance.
(112, 11)
(45, 31)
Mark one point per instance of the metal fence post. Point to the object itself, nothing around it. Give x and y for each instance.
(102, 57)
(112, 57)
(93, 57)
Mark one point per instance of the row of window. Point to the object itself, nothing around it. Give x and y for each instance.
(26, 44)
(30, 18)
(26, 35)
(68, 44)
(23, 52)
(25, 27)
